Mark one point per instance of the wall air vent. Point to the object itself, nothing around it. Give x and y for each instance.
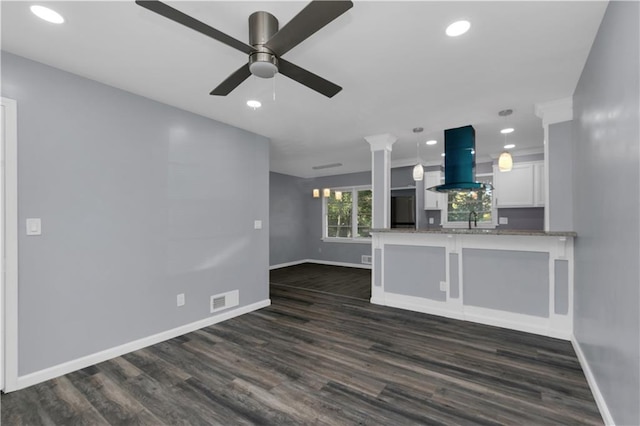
(366, 259)
(222, 301)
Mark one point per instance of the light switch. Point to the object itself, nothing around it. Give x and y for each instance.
(257, 224)
(34, 226)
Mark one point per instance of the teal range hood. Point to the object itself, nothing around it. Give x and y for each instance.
(460, 162)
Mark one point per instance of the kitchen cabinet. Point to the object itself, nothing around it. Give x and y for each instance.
(433, 200)
(523, 186)
(538, 184)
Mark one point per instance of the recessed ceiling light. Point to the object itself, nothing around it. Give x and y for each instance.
(458, 28)
(252, 103)
(507, 130)
(509, 146)
(47, 14)
(432, 142)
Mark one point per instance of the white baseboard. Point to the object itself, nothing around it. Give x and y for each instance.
(98, 357)
(509, 320)
(332, 263)
(593, 385)
(284, 265)
(419, 304)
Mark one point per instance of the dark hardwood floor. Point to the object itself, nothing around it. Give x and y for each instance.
(316, 358)
(338, 280)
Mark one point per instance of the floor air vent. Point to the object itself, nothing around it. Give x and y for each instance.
(224, 301)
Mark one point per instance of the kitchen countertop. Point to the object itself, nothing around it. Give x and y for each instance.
(477, 231)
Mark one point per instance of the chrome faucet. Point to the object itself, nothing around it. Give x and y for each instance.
(475, 219)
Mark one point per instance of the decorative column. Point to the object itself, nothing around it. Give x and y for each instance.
(558, 163)
(381, 178)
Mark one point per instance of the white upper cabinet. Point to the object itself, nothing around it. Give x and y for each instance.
(523, 186)
(538, 186)
(433, 200)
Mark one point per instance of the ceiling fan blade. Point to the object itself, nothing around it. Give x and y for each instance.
(307, 78)
(186, 20)
(232, 81)
(314, 16)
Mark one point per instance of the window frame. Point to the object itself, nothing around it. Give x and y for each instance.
(354, 215)
(465, 223)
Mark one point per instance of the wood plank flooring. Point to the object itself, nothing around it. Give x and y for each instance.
(339, 280)
(321, 359)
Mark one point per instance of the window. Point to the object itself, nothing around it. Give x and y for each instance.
(347, 213)
(460, 205)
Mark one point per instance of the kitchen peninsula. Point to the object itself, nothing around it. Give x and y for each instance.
(516, 279)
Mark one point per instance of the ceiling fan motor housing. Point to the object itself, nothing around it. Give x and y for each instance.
(262, 26)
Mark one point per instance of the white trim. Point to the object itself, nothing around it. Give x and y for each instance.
(10, 307)
(358, 240)
(287, 264)
(496, 318)
(332, 263)
(555, 111)
(593, 384)
(381, 142)
(86, 361)
(514, 321)
(418, 304)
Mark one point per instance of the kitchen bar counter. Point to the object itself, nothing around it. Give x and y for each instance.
(478, 231)
(516, 279)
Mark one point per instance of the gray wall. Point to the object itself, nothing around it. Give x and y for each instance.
(318, 249)
(606, 202)
(288, 225)
(139, 202)
(561, 176)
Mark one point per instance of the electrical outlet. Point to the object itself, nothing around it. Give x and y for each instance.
(443, 286)
(257, 224)
(180, 299)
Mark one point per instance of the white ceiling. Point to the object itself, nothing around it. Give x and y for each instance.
(397, 68)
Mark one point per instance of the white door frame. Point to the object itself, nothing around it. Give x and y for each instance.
(9, 300)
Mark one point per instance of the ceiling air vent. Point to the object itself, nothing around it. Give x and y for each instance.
(327, 166)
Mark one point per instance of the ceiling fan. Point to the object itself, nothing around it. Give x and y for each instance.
(267, 43)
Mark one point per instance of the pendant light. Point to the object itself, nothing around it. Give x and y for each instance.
(505, 161)
(418, 170)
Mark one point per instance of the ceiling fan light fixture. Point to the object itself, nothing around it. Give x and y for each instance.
(458, 28)
(263, 65)
(47, 14)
